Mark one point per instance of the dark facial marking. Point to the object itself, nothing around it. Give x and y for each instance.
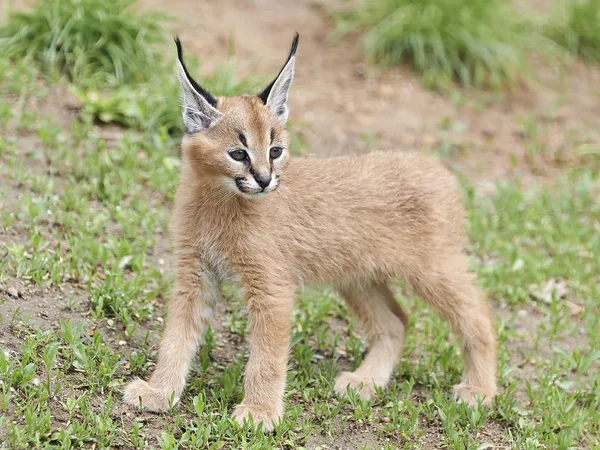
(272, 135)
(242, 139)
(239, 182)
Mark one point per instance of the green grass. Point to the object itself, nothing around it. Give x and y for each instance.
(575, 26)
(475, 42)
(92, 42)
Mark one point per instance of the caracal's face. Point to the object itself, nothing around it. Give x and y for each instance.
(240, 143)
(245, 152)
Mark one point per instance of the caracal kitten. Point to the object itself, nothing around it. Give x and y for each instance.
(245, 209)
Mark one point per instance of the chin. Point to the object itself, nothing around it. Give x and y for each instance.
(255, 196)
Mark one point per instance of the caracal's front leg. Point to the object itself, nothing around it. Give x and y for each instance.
(190, 308)
(270, 308)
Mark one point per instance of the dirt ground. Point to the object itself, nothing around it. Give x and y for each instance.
(343, 105)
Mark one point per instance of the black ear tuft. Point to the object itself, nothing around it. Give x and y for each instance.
(199, 89)
(264, 95)
(294, 45)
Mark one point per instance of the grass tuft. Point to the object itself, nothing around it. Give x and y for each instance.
(475, 42)
(92, 42)
(575, 26)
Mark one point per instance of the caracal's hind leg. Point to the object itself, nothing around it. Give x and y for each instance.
(450, 290)
(384, 323)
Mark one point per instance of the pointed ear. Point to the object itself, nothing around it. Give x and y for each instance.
(276, 94)
(199, 106)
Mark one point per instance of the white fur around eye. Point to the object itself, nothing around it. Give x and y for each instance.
(249, 152)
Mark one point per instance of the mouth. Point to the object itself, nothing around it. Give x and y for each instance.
(253, 192)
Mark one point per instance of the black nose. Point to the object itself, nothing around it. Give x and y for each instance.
(263, 180)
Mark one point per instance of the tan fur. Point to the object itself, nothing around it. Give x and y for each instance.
(357, 222)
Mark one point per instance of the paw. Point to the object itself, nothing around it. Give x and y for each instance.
(267, 416)
(364, 386)
(471, 395)
(152, 399)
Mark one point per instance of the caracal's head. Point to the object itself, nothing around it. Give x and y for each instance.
(238, 143)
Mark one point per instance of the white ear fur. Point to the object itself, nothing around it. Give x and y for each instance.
(278, 96)
(198, 105)
(197, 113)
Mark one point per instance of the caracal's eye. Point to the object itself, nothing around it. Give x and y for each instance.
(239, 155)
(275, 152)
